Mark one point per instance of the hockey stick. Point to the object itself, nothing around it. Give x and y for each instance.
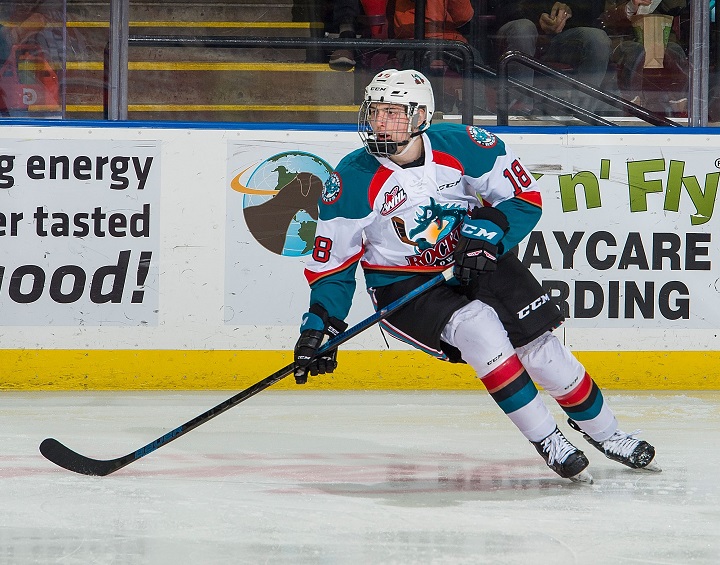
(65, 457)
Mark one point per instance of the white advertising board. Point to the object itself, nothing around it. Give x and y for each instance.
(628, 237)
(79, 225)
(146, 237)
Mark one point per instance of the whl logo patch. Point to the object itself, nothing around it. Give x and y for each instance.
(393, 200)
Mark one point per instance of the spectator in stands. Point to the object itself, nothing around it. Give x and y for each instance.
(5, 48)
(38, 24)
(556, 32)
(5, 44)
(34, 28)
(629, 55)
(345, 14)
(444, 19)
(368, 18)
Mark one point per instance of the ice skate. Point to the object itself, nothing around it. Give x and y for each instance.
(624, 448)
(563, 457)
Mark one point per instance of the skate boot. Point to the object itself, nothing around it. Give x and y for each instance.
(624, 448)
(563, 457)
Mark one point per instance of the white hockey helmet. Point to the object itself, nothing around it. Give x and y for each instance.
(408, 88)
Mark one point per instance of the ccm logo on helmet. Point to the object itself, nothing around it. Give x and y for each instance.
(534, 305)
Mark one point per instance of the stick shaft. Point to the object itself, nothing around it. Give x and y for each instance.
(73, 461)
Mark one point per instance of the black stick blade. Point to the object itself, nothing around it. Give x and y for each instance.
(65, 457)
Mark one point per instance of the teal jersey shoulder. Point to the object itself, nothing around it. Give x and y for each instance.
(476, 148)
(345, 193)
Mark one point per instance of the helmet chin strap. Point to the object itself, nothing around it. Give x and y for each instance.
(408, 144)
(413, 135)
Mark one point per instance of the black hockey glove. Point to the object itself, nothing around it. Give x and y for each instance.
(479, 245)
(315, 326)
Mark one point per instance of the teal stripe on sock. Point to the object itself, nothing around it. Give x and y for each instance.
(588, 413)
(521, 398)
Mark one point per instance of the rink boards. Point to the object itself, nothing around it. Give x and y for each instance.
(156, 257)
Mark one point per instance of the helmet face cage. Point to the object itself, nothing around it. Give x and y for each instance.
(409, 89)
(388, 144)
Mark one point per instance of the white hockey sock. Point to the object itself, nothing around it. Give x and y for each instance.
(552, 366)
(482, 340)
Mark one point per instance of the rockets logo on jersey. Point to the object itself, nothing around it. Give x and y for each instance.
(438, 255)
(332, 189)
(482, 137)
(393, 200)
(435, 234)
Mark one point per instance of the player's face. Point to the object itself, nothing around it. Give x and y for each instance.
(389, 122)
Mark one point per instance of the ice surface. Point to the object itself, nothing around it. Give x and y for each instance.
(371, 477)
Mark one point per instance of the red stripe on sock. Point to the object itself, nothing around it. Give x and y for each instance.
(579, 394)
(503, 374)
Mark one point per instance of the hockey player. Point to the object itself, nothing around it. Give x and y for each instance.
(416, 200)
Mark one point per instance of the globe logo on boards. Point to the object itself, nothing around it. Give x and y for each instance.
(280, 197)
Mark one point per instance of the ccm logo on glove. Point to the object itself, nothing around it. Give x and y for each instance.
(479, 244)
(482, 230)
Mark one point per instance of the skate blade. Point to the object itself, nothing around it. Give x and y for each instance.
(653, 467)
(583, 477)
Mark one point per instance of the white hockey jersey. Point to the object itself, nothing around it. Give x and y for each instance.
(398, 222)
